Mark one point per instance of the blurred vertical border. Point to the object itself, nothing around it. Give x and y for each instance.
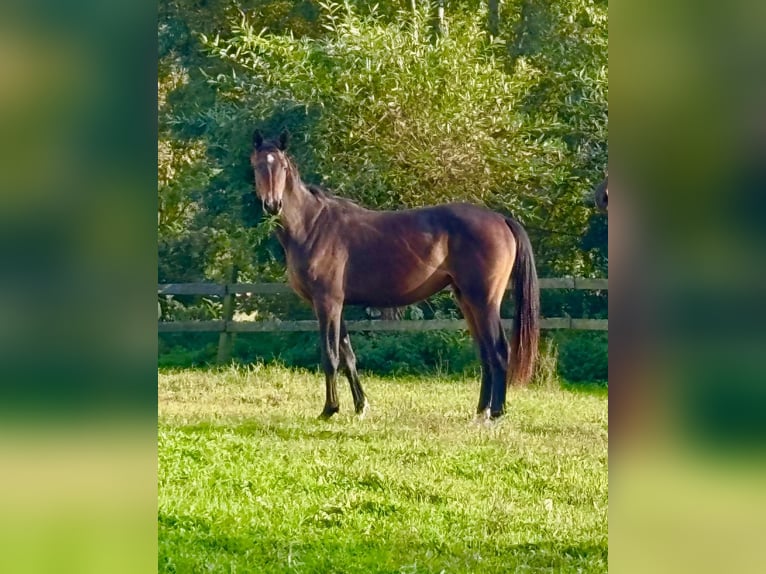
(77, 286)
(77, 312)
(687, 269)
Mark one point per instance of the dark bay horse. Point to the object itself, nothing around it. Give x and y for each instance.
(341, 253)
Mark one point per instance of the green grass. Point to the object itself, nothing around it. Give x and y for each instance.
(251, 481)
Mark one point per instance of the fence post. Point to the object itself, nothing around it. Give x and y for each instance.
(225, 338)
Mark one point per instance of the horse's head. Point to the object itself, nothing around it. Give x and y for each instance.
(271, 168)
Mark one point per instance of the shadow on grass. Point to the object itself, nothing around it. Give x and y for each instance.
(189, 544)
(594, 389)
(581, 432)
(296, 429)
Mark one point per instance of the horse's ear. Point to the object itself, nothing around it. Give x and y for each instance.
(284, 137)
(257, 139)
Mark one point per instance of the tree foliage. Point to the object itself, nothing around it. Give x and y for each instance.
(385, 113)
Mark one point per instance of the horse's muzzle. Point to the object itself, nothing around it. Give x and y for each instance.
(273, 207)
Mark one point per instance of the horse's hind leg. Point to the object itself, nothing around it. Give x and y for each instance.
(481, 305)
(348, 365)
(495, 353)
(501, 354)
(485, 393)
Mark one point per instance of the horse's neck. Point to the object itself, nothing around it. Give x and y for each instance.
(299, 214)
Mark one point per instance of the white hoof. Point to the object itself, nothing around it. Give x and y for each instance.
(481, 418)
(365, 409)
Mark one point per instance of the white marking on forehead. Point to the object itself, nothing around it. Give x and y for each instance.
(270, 157)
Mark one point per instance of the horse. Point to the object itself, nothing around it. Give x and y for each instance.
(340, 253)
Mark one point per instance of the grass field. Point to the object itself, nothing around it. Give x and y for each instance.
(251, 481)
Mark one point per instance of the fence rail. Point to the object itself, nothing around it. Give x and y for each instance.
(221, 326)
(229, 326)
(226, 326)
(582, 283)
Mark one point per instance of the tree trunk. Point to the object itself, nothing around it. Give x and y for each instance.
(392, 313)
(493, 22)
(439, 20)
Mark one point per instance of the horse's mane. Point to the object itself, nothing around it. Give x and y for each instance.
(319, 191)
(324, 193)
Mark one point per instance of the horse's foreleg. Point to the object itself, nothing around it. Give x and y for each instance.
(348, 365)
(328, 315)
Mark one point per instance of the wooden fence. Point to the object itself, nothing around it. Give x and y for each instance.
(226, 325)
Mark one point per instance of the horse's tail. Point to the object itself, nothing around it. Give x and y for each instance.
(526, 297)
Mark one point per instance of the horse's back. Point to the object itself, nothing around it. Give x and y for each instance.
(447, 218)
(399, 257)
(470, 226)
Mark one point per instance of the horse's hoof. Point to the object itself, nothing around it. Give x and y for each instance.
(362, 411)
(328, 412)
(481, 417)
(496, 415)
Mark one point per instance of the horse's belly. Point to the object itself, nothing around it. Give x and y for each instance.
(407, 267)
(381, 289)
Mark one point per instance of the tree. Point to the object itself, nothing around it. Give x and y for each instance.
(493, 17)
(382, 116)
